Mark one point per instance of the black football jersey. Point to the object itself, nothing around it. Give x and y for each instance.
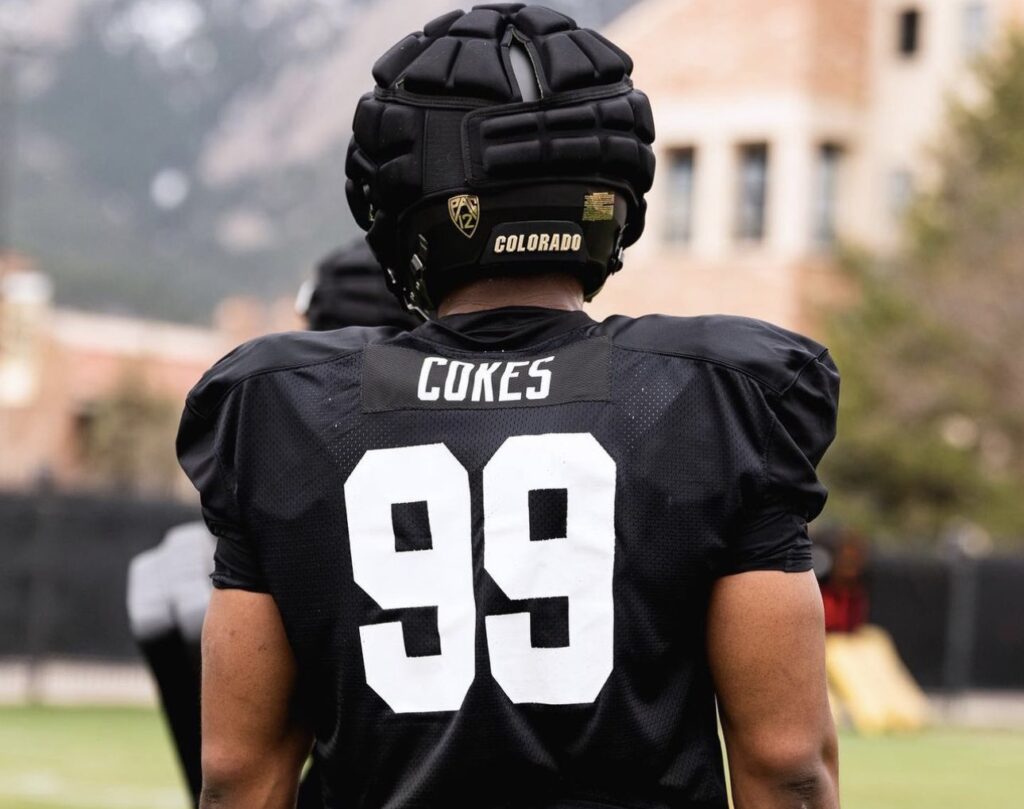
(492, 540)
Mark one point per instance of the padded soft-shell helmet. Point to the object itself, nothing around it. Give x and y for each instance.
(500, 141)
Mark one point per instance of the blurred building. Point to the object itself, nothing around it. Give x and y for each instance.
(57, 366)
(783, 127)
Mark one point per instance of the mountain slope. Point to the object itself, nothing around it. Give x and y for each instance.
(171, 152)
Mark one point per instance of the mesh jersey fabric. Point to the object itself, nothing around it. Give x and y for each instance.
(715, 426)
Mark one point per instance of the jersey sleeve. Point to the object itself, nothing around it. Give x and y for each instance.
(206, 442)
(772, 533)
(213, 428)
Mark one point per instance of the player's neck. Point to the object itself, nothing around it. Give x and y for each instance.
(554, 291)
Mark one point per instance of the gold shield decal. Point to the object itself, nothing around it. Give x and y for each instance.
(465, 213)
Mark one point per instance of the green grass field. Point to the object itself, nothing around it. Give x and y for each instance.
(121, 759)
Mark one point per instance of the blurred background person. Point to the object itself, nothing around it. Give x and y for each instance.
(168, 593)
(841, 561)
(350, 290)
(169, 586)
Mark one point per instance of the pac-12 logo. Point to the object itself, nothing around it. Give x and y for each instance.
(465, 213)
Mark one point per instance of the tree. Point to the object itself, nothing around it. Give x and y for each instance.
(127, 438)
(932, 418)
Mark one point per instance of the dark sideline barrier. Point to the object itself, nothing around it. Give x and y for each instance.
(957, 622)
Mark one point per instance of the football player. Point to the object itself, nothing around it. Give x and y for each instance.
(168, 593)
(349, 289)
(169, 585)
(512, 558)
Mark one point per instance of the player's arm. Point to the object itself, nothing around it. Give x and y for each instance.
(253, 745)
(766, 645)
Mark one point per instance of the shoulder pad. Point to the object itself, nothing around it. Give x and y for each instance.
(279, 352)
(772, 356)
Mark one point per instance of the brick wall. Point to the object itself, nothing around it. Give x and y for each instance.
(715, 47)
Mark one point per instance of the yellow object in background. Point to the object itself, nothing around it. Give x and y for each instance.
(838, 716)
(871, 685)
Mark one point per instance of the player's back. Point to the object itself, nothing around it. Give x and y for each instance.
(492, 540)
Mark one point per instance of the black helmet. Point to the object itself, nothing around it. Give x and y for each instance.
(498, 141)
(349, 290)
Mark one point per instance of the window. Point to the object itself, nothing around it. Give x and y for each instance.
(901, 191)
(681, 169)
(975, 28)
(753, 199)
(826, 199)
(83, 430)
(909, 32)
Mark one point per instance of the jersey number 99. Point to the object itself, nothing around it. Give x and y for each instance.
(578, 566)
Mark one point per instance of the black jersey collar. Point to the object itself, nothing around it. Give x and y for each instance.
(503, 329)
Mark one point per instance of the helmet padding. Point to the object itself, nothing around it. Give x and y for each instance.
(448, 120)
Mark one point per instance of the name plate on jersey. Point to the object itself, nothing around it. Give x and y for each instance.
(405, 379)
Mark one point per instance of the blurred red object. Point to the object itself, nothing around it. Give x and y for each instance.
(843, 589)
(846, 609)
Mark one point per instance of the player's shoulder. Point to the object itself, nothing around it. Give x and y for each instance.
(278, 354)
(772, 356)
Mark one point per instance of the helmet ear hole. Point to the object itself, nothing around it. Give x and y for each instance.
(359, 204)
(360, 171)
